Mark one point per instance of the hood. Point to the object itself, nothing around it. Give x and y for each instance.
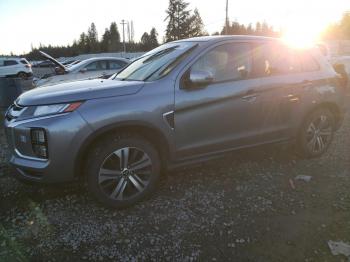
(78, 91)
(53, 60)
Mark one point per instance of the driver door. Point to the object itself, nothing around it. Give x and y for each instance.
(223, 114)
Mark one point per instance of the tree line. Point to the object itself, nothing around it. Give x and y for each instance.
(181, 23)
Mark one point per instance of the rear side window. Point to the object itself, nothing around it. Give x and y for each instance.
(10, 62)
(308, 62)
(227, 62)
(274, 59)
(98, 65)
(115, 64)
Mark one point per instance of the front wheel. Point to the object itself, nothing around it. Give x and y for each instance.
(316, 133)
(122, 170)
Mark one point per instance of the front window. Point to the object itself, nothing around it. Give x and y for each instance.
(226, 62)
(156, 63)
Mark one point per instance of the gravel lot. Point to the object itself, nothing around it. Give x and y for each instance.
(248, 206)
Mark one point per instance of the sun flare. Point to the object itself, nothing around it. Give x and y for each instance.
(303, 31)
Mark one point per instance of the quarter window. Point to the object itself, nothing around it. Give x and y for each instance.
(226, 62)
(10, 62)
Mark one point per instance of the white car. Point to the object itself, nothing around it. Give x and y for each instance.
(87, 69)
(18, 67)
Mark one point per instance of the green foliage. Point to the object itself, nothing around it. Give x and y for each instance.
(149, 41)
(87, 43)
(340, 30)
(181, 23)
(262, 29)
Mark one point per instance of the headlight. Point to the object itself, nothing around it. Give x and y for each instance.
(55, 109)
(44, 110)
(48, 110)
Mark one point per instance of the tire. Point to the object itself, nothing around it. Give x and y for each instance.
(22, 75)
(118, 181)
(316, 133)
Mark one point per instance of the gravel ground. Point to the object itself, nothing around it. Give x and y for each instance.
(248, 206)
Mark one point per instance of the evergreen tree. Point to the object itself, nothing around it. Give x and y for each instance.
(153, 38)
(149, 41)
(92, 39)
(82, 43)
(196, 25)
(145, 39)
(105, 42)
(114, 38)
(178, 20)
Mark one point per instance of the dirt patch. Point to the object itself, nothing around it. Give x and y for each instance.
(243, 207)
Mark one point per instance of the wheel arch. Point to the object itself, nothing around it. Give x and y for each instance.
(332, 107)
(145, 130)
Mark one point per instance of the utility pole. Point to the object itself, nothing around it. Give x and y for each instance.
(226, 20)
(123, 23)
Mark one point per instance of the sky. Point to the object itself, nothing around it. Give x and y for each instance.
(26, 23)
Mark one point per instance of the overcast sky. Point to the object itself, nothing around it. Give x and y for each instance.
(58, 22)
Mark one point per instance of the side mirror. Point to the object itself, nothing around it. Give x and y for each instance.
(83, 70)
(200, 78)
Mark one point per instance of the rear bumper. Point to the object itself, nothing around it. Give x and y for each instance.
(65, 135)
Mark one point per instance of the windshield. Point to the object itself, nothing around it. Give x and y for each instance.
(156, 63)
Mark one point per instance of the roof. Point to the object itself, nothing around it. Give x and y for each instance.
(218, 38)
(105, 58)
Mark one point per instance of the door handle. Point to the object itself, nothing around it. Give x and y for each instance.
(250, 96)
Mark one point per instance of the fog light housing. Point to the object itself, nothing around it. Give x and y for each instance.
(39, 142)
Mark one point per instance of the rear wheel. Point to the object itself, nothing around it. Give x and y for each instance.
(122, 170)
(22, 75)
(316, 133)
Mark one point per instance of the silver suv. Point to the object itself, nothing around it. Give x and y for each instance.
(183, 102)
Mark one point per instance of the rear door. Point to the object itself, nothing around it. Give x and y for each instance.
(225, 113)
(279, 70)
(10, 67)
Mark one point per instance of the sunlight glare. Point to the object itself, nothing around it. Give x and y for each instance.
(303, 31)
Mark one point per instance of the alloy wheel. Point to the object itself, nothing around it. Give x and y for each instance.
(125, 173)
(319, 134)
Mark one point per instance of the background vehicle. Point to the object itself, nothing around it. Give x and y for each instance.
(181, 103)
(86, 69)
(19, 67)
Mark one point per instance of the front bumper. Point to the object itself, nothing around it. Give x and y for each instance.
(65, 135)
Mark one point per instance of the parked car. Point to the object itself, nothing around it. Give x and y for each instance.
(18, 67)
(87, 69)
(71, 63)
(181, 103)
(44, 64)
